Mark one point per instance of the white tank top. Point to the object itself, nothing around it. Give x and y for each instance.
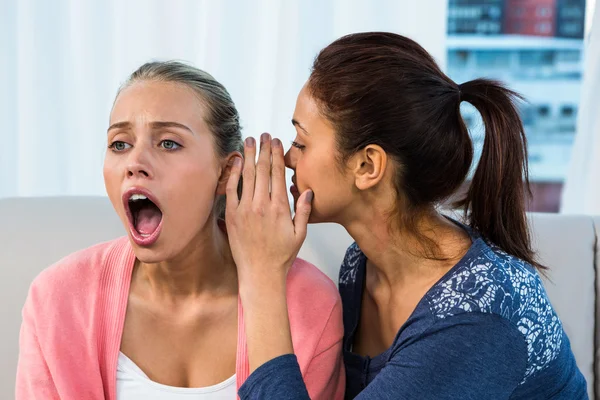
(134, 384)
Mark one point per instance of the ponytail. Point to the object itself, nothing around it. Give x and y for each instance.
(495, 202)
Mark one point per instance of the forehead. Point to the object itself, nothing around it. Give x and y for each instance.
(159, 101)
(308, 113)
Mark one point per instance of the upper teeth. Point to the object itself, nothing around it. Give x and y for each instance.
(135, 197)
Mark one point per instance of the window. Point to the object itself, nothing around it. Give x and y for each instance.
(543, 111)
(572, 12)
(493, 59)
(567, 111)
(544, 11)
(458, 58)
(571, 29)
(543, 28)
(519, 12)
(536, 58)
(568, 56)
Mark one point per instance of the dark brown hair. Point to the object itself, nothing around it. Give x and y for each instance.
(385, 89)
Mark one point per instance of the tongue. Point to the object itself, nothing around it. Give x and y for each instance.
(148, 219)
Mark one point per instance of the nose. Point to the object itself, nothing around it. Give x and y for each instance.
(290, 159)
(138, 165)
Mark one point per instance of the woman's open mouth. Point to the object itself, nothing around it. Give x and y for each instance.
(144, 215)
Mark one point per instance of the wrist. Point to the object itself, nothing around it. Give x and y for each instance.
(263, 291)
(271, 279)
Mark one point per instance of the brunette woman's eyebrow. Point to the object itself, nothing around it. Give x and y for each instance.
(299, 125)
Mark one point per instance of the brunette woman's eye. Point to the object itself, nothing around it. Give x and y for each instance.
(298, 145)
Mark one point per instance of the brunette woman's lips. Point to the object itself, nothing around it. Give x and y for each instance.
(294, 190)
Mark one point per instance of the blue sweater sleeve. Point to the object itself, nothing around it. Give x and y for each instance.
(279, 378)
(468, 356)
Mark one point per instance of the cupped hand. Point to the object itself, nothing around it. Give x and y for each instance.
(264, 237)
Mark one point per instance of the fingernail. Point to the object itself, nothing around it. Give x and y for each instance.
(237, 162)
(265, 137)
(277, 143)
(250, 141)
(309, 196)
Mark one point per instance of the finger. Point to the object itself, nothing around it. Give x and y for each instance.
(231, 190)
(249, 172)
(303, 210)
(278, 187)
(263, 169)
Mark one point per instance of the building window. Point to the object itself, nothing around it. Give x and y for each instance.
(568, 56)
(572, 12)
(543, 11)
(458, 58)
(543, 111)
(536, 58)
(493, 59)
(543, 28)
(495, 12)
(571, 28)
(567, 111)
(519, 12)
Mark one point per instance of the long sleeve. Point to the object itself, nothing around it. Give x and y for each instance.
(279, 379)
(34, 380)
(470, 356)
(324, 379)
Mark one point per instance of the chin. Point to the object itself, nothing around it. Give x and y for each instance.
(149, 254)
(165, 248)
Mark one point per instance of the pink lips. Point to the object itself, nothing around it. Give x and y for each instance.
(138, 238)
(294, 188)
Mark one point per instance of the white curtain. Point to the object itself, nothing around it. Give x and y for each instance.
(61, 62)
(581, 193)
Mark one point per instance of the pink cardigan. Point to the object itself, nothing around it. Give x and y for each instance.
(74, 314)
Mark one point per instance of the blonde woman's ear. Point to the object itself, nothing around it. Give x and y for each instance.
(226, 171)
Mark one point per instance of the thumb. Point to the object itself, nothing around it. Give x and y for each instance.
(303, 209)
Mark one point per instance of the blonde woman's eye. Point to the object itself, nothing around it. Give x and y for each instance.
(118, 146)
(169, 145)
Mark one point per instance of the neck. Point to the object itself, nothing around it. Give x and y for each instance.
(397, 256)
(204, 268)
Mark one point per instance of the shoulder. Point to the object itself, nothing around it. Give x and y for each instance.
(352, 261)
(490, 281)
(307, 283)
(76, 274)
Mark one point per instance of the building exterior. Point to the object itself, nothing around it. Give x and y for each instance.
(536, 48)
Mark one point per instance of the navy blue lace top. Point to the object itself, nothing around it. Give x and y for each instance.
(486, 330)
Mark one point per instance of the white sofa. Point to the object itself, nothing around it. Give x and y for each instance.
(35, 232)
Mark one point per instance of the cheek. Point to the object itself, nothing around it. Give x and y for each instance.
(314, 171)
(304, 173)
(111, 181)
(193, 187)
